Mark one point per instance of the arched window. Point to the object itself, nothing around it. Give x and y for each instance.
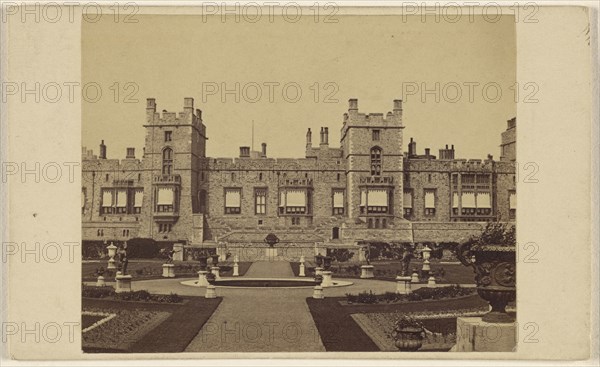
(167, 166)
(375, 161)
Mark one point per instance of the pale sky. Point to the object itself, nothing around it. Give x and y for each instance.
(366, 57)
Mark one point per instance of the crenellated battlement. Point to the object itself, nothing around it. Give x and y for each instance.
(355, 118)
(186, 117)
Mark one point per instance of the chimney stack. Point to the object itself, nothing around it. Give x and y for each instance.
(427, 152)
(353, 104)
(412, 148)
(397, 105)
(102, 150)
(326, 136)
(264, 149)
(309, 138)
(188, 105)
(322, 135)
(150, 109)
(244, 152)
(130, 153)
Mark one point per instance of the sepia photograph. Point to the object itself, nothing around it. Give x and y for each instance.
(314, 183)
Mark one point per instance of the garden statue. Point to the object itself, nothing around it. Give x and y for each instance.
(407, 255)
(368, 254)
(169, 254)
(123, 261)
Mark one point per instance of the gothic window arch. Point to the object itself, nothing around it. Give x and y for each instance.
(376, 154)
(167, 161)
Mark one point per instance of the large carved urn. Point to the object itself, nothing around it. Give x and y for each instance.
(327, 262)
(495, 275)
(408, 334)
(319, 260)
(203, 261)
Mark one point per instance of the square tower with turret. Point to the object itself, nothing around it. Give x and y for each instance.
(372, 147)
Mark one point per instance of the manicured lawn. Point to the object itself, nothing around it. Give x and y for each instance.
(339, 331)
(171, 336)
(388, 270)
(152, 269)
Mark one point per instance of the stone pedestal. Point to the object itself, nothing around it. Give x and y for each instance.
(366, 271)
(426, 266)
(431, 282)
(403, 285)
(100, 282)
(168, 271)
(302, 273)
(318, 292)
(111, 264)
(475, 335)
(327, 278)
(215, 271)
(414, 278)
(123, 283)
(178, 255)
(270, 252)
(202, 282)
(211, 291)
(318, 271)
(236, 270)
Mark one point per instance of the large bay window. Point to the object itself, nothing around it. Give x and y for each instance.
(374, 201)
(472, 203)
(107, 201)
(293, 201)
(121, 201)
(165, 200)
(407, 203)
(233, 201)
(429, 202)
(338, 202)
(138, 199)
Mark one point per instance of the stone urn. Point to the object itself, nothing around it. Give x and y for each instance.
(327, 262)
(215, 259)
(495, 274)
(203, 262)
(319, 260)
(211, 278)
(408, 334)
(318, 279)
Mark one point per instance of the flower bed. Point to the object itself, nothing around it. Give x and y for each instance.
(122, 329)
(425, 293)
(440, 327)
(137, 296)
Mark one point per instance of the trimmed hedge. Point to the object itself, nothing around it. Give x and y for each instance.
(137, 248)
(420, 294)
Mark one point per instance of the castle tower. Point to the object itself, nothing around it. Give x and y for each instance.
(372, 144)
(174, 147)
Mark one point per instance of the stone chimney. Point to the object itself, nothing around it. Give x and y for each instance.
(353, 104)
(244, 152)
(412, 148)
(309, 138)
(188, 105)
(150, 109)
(427, 151)
(397, 105)
(322, 134)
(130, 153)
(326, 136)
(102, 150)
(264, 149)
